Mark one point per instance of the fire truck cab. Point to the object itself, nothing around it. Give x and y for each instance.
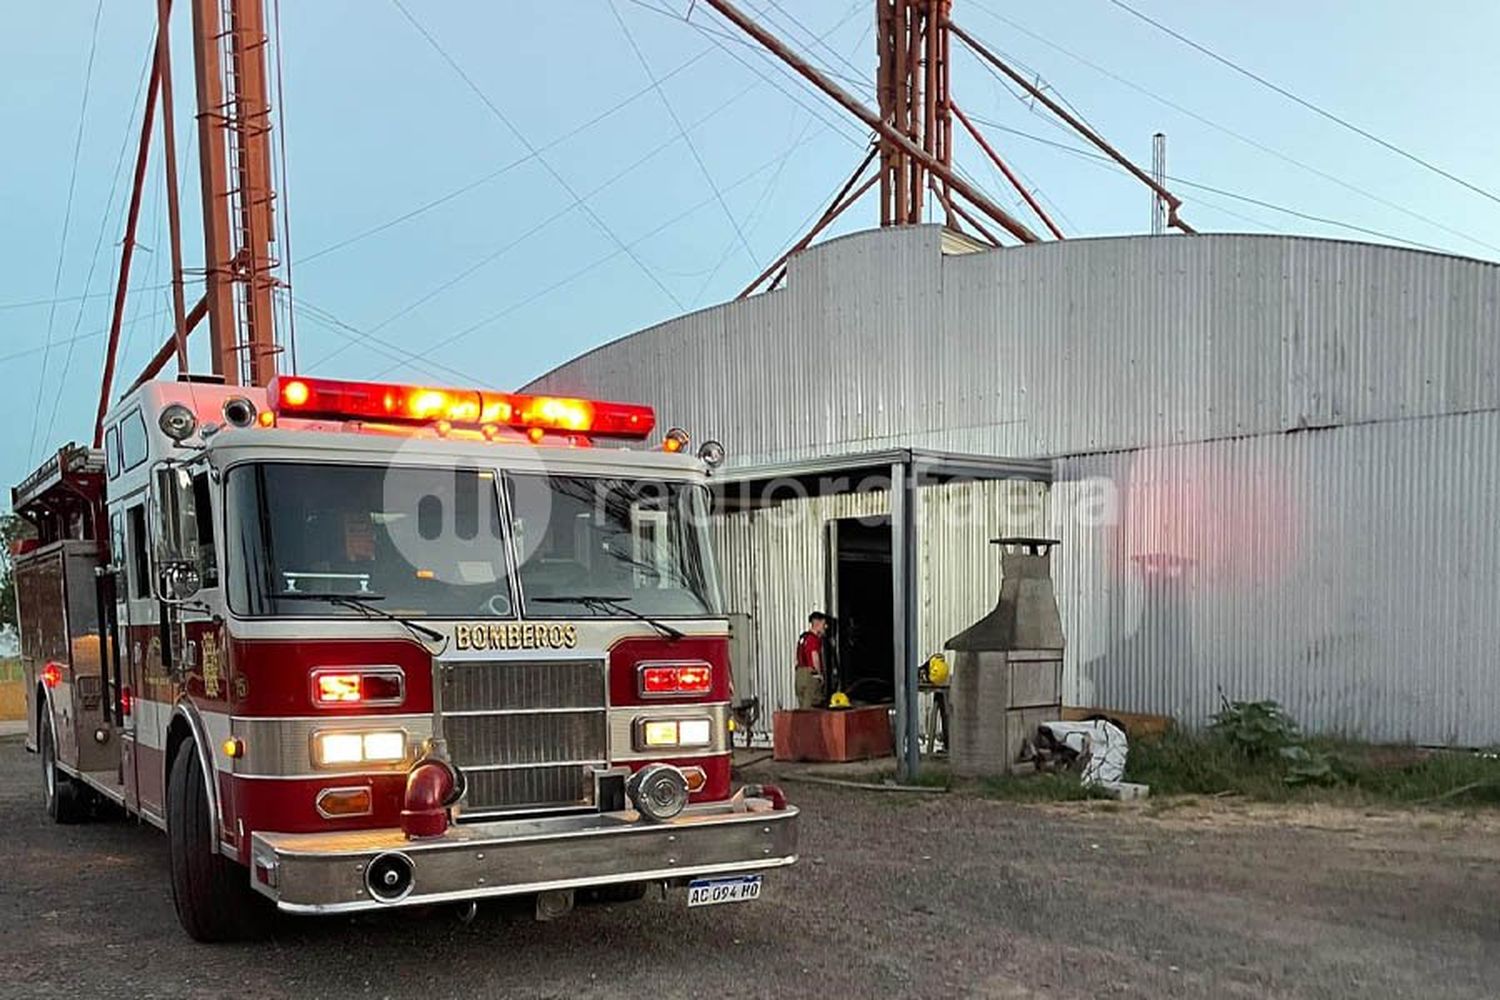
(357, 646)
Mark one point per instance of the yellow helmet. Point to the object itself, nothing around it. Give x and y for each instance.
(937, 669)
(839, 700)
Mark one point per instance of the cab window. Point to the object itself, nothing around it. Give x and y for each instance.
(133, 443)
(208, 557)
(140, 564)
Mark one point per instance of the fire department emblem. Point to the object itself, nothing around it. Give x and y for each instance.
(212, 666)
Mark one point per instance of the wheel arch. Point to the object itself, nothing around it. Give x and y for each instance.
(46, 714)
(186, 725)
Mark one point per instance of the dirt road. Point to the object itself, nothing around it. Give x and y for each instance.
(896, 897)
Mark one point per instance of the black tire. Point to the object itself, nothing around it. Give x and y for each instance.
(212, 893)
(67, 801)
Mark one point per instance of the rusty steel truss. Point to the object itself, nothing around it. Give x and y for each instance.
(238, 197)
(913, 131)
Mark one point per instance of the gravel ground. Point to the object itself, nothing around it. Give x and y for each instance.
(897, 895)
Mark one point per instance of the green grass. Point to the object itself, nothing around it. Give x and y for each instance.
(1184, 768)
(1190, 764)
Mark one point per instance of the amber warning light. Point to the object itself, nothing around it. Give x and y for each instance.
(333, 399)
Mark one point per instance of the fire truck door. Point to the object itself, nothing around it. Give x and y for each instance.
(118, 621)
(151, 693)
(110, 676)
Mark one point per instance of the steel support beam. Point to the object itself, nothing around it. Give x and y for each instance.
(164, 354)
(127, 251)
(904, 501)
(1015, 181)
(837, 207)
(874, 121)
(169, 163)
(1173, 202)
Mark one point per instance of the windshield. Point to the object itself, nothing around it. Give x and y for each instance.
(420, 541)
(590, 546)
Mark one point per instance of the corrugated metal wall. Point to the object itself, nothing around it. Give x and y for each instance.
(1349, 573)
(1193, 374)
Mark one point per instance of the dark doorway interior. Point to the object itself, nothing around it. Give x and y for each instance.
(860, 551)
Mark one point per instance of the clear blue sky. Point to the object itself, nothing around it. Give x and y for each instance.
(511, 277)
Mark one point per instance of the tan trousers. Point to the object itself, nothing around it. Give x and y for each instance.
(809, 688)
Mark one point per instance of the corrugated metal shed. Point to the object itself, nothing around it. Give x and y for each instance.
(1300, 441)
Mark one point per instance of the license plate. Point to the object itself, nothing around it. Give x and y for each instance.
(712, 891)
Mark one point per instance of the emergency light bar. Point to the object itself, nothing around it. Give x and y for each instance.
(336, 399)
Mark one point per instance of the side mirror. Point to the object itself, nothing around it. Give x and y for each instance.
(178, 539)
(178, 580)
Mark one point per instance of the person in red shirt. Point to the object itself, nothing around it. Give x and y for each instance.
(810, 662)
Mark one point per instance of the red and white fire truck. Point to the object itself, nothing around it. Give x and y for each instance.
(358, 645)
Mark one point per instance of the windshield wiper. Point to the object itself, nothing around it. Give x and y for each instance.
(606, 602)
(360, 603)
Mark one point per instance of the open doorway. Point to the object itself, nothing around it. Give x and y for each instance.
(860, 600)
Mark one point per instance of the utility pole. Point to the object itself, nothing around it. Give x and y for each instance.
(1159, 175)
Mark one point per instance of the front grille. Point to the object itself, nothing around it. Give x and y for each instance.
(525, 733)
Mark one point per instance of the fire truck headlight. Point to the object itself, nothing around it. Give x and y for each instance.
(385, 746)
(345, 748)
(653, 734)
(659, 733)
(694, 732)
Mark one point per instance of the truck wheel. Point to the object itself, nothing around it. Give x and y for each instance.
(211, 893)
(67, 802)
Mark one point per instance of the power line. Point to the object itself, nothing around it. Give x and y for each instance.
(286, 212)
(1097, 158)
(821, 39)
(104, 224)
(35, 303)
(775, 178)
(686, 137)
(837, 125)
(77, 338)
(500, 171)
(83, 106)
(333, 323)
(1309, 105)
(523, 237)
(562, 182)
(596, 263)
(1239, 136)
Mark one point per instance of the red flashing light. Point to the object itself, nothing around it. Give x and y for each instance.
(341, 400)
(52, 675)
(295, 393)
(333, 688)
(127, 701)
(658, 679)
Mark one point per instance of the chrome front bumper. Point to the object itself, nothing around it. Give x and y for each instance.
(326, 872)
